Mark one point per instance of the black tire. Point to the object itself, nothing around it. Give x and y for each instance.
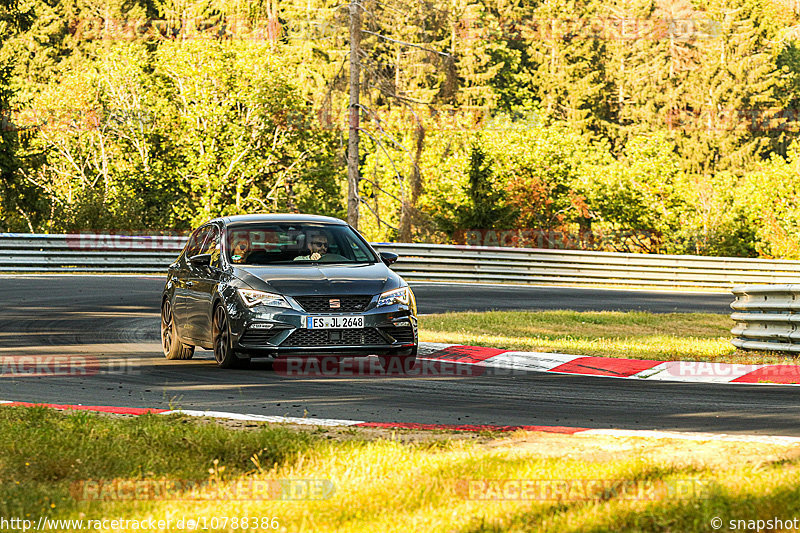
(398, 364)
(223, 347)
(171, 345)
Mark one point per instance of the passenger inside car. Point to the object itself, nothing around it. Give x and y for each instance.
(240, 250)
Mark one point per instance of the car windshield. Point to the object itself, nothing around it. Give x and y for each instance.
(297, 243)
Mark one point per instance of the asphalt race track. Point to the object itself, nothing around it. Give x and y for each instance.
(109, 324)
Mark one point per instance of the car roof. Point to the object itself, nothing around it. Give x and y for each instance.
(280, 217)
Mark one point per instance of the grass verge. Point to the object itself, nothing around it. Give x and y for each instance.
(636, 335)
(378, 481)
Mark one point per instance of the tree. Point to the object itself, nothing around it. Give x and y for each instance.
(637, 197)
(19, 200)
(244, 134)
(485, 207)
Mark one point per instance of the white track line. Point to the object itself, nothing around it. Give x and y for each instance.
(618, 433)
(265, 418)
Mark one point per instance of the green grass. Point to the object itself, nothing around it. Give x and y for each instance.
(41, 449)
(381, 482)
(636, 335)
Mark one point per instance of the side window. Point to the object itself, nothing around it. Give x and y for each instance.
(211, 245)
(196, 242)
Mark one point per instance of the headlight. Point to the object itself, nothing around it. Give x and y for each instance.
(251, 298)
(397, 296)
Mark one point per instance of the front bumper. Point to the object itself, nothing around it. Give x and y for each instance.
(263, 331)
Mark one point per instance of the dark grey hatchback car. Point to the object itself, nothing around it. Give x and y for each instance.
(295, 285)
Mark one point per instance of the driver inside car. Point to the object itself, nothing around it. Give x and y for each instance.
(317, 247)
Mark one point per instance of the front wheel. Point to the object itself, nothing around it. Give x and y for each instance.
(170, 343)
(223, 349)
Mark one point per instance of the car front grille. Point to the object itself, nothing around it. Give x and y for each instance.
(334, 337)
(404, 335)
(322, 304)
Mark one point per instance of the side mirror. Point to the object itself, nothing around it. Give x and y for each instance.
(200, 260)
(389, 257)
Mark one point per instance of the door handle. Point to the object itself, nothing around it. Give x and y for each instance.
(189, 283)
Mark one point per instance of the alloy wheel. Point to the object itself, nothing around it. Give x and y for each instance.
(221, 336)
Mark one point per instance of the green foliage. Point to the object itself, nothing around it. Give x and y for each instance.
(768, 200)
(638, 192)
(243, 137)
(484, 208)
(483, 113)
(544, 167)
(170, 138)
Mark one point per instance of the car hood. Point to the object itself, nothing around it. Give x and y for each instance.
(323, 280)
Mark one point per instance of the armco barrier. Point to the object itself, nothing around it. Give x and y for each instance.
(429, 262)
(527, 265)
(87, 252)
(767, 317)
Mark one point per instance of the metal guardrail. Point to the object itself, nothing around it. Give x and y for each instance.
(429, 262)
(534, 266)
(767, 317)
(20, 252)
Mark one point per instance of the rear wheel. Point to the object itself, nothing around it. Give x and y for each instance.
(223, 348)
(170, 343)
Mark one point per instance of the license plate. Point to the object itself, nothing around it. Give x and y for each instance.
(334, 322)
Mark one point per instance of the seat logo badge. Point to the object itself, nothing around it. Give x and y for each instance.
(334, 303)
